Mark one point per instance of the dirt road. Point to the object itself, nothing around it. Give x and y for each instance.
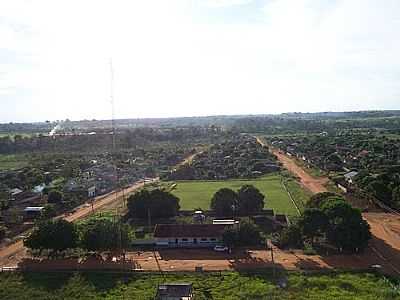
(12, 253)
(315, 185)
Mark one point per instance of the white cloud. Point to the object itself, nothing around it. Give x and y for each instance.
(304, 55)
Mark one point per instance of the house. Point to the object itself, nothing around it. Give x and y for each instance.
(188, 235)
(350, 176)
(175, 291)
(16, 194)
(32, 212)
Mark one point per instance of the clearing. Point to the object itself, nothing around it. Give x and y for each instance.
(198, 193)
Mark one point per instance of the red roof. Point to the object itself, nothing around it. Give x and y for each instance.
(188, 230)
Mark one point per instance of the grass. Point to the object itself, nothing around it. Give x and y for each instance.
(12, 162)
(299, 195)
(217, 286)
(198, 194)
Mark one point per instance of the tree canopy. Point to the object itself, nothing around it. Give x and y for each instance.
(157, 203)
(224, 202)
(56, 235)
(250, 200)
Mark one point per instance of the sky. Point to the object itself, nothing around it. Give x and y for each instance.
(196, 57)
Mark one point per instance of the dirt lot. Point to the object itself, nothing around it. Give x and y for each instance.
(188, 259)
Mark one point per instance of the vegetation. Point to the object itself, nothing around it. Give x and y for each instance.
(155, 203)
(237, 157)
(56, 235)
(333, 219)
(247, 234)
(229, 285)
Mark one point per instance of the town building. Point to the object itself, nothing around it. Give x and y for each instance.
(188, 235)
(175, 291)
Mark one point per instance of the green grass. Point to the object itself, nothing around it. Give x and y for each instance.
(216, 286)
(12, 162)
(300, 195)
(195, 194)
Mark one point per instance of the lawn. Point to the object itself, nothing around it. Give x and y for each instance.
(12, 162)
(217, 286)
(198, 194)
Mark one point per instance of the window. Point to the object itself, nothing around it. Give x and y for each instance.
(204, 239)
(213, 239)
(184, 240)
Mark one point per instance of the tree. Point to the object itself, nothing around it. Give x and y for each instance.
(56, 235)
(291, 236)
(396, 197)
(157, 203)
(313, 223)
(317, 199)
(247, 234)
(224, 202)
(250, 200)
(380, 190)
(230, 237)
(346, 228)
(105, 235)
(3, 231)
(55, 197)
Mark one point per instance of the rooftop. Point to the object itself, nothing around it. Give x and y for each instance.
(175, 290)
(188, 230)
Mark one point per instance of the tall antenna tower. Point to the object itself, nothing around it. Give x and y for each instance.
(112, 104)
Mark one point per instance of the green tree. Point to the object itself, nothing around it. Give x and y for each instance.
(55, 197)
(224, 202)
(230, 237)
(291, 236)
(380, 190)
(396, 197)
(250, 200)
(157, 203)
(346, 228)
(317, 199)
(3, 231)
(313, 223)
(55, 235)
(105, 235)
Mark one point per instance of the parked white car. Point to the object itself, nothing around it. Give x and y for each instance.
(221, 248)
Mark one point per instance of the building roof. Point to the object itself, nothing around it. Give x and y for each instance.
(33, 208)
(15, 191)
(188, 230)
(175, 290)
(350, 174)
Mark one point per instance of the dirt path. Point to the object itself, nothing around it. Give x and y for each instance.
(315, 185)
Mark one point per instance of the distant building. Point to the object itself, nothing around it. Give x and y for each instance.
(175, 291)
(350, 176)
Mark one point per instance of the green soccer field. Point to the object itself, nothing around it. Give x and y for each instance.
(198, 194)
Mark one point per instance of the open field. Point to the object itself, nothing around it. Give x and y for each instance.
(12, 162)
(198, 194)
(217, 286)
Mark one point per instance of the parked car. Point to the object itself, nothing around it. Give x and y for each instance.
(221, 248)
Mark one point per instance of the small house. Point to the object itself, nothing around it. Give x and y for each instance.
(33, 212)
(350, 176)
(188, 235)
(175, 291)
